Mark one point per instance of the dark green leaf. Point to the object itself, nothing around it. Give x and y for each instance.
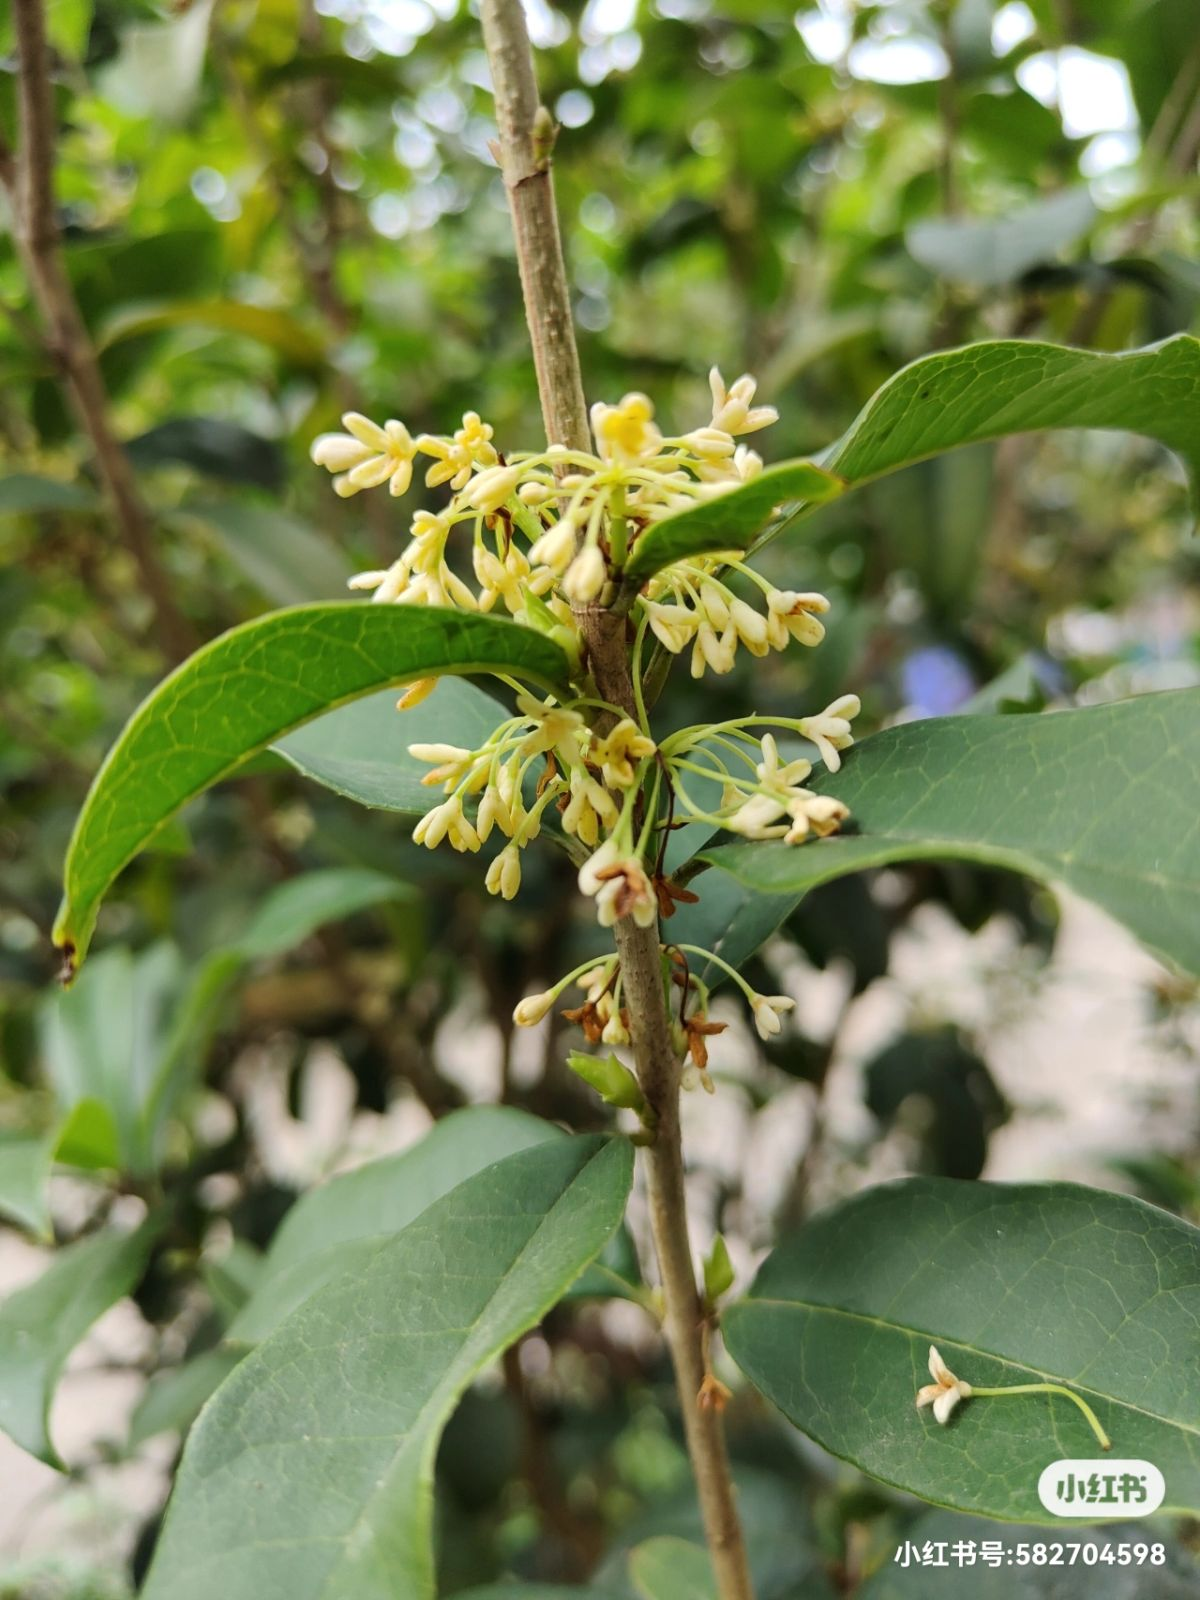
(212, 446)
(277, 329)
(173, 1398)
(315, 1459)
(1022, 792)
(1014, 1284)
(24, 492)
(300, 906)
(730, 521)
(288, 561)
(346, 1219)
(247, 689)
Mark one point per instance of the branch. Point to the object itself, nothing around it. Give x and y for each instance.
(29, 177)
(526, 137)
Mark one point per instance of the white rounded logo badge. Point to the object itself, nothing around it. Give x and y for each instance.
(1092, 1489)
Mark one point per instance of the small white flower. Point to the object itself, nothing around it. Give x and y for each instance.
(793, 616)
(447, 821)
(672, 625)
(618, 754)
(552, 724)
(504, 874)
(555, 547)
(750, 627)
(767, 1009)
(830, 731)
(626, 432)
(590, 806)
(530, 1011)
(944, 1393)
(366, 455)
(489, 489)
(732, 411)
(816, 813)
(586, 576)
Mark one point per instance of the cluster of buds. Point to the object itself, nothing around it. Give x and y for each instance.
(542, 533)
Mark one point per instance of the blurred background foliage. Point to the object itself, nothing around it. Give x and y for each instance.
(273, 212)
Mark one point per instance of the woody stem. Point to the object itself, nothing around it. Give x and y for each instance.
(526, 135)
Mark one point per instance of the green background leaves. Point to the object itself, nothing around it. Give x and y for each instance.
(314, 1460)
(1014, 1284)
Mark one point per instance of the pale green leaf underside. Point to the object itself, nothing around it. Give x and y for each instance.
(1099, 1580)
(24, 1168)
(1014, 1284)
(952, 398)
(348, 1218)
(249, 688)
(314, 1460)
(1102, 800)
(42, 1323)
(667, 1568)
(361, 750)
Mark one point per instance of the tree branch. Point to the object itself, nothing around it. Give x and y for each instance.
(526, 137)
(29, 177)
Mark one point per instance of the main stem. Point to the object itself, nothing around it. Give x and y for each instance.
(526, 136)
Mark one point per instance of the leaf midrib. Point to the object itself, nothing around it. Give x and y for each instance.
(964, 1344)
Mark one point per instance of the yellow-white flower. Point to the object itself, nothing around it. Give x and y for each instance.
(619, 885)
(552, 724)
(366, 455)
(732, 409)
(447, 821)
(556, 546)
(944, 1393)
(672, 625)
(626, 432)
(793, 616)
(530, 1011)
(489, 489)
(830, 731)
(589, 807)
(504, 874)
(814, 813)
(618, 754)
(586, 576)
(768, 1009)
(456, 458)
(450, 763)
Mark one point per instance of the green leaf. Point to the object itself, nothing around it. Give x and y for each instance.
(24, 1169)
(1101, 1579)
(731, 918)
(361, 750)
(731, 521)
(172, 1400)
(955, 397)
(1004, 386)
(279, 330)
(989, 251)
(1101, 800)
(300, 906)
(289, 562)
(348, 1218)
(212, 446)
(1014, 1284)
(671, 1569)
(24, 492)
(41, 1324)
(246, 690)
(315, 1459)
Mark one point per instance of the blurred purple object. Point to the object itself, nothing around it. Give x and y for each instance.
(936, 681)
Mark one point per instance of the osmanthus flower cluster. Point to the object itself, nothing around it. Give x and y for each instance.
(540, 534)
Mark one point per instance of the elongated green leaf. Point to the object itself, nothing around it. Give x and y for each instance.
(250, 687)
(173, 1399)
(988, 251)
(361, 750)
(315, 1458)
(671, 1569)
(731, 520)
(289, 562)
(23, 492)
(300, 906)
(40, 1325)
(1101, 800)
(1014, 1284)
(277, 329)
(24, 1169)
(1003, 386)
(348, 1218)
(956, 397)
(1112, 1570)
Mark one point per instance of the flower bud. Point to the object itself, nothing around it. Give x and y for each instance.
(530, 1011)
